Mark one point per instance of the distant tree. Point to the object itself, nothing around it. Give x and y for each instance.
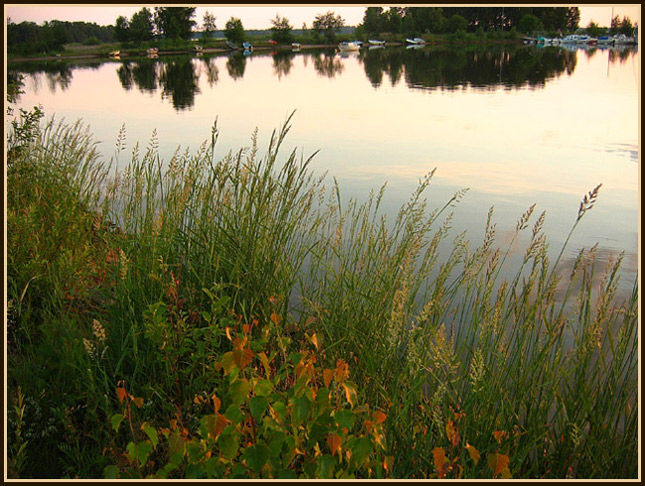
(328, 24)
(623, 26)
(209, 24)
(573, 18)
(456, 23)
(122, 29)
(528, 23)
(373, 20)
(234, 31)
(594, 30)
(141, 25)
(175, 22)
(281, 30)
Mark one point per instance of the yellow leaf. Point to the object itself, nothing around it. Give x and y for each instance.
(500, 435)
(474, 453)
(138, 402)
(452, 433)
(350, 393)
(342, 371)
(265, 362)
(314, 340)
(276, 319)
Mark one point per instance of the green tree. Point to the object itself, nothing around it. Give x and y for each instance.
(209, 24)
(373, 20)
(594, 30)
(395, 19)
(328, 24)
(175, 22)
(281, 30)
(122, 29)
(528, 23)
(456, 23)
(141, 26)
(234, 30)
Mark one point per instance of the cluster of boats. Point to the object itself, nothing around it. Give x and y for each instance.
(375, 43)
(586, 40)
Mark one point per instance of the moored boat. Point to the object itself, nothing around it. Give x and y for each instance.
(375, 42)
(247, 46)
(349, 46)
(114, 54)
(418, 41)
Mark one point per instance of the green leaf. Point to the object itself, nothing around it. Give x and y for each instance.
(177, 447)
(234, 413)
(287, 474)
(116, 420)
(143, 451)
(361, 449)
(228, 444)
(258, 406)
(263, 388)
(325, 467)
(151, 433)
(239, 390)
(301, 408)
(280, 409)
(256, 456)
(111, 472)
(345, 419)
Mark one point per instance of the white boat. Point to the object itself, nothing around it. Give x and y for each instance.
(152, 51)
(247, 46)
(376, 42)
(418, 41)
(295, 46)
(197, 48)
(349, 46)
(622, 39)
(570, 39)
(114, 54)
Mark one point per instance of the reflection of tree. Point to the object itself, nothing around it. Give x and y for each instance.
(212, 73)
(179, 82)
(60, 76)
(236, 65)
(282, 63)
(125, 75)
(144, 74)
(478, 67)
(328, 65)
(620, 55)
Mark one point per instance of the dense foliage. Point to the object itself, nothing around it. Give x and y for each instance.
(439, 20)
(30, 38)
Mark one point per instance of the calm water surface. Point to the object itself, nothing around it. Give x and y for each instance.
(516, 126)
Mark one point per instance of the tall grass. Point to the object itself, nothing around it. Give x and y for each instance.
(541, 367)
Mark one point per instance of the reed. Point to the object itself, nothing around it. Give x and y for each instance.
(139, 275)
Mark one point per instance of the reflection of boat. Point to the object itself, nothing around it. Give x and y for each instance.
(349, 46)
(197, 48)
(414, 46)
(417, 41)
(152, 51)
(114, 54)
(377, 42)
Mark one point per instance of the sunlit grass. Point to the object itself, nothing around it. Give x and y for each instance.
(139, 275)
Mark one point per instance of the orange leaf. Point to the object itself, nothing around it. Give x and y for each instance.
(500, 435)
(342, 371)
(216, 402)
(220, 424)
(379, 417)
(327, 376)
(497, 463)
(138, 402)
(474, 453)
(452, 433)
(120, 392)
(388, 462)
(228, 333)
(439, 460)
(276, 319)
(333, 440)
(242, 357)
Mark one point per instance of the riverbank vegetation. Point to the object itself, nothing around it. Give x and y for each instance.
(234, 317)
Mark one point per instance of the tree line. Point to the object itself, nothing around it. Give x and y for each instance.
(441, 20)
(30, 38)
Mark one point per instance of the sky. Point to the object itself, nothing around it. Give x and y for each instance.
(259, 16)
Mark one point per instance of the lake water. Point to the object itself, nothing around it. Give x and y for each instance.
(515, 125)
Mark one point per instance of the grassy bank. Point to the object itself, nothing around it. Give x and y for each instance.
(193, 318)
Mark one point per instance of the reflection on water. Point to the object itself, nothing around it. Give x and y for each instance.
(516, 124)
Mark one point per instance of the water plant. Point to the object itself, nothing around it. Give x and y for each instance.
(206, 315)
